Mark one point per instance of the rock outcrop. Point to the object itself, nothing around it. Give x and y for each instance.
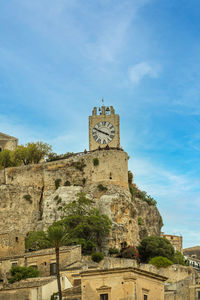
(32, 197)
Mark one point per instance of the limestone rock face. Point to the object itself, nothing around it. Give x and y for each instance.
(124, 212)
(29, 199)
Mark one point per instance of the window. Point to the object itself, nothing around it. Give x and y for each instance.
(145, 297)
(103, 296)
(53, 269)
(0, 149)
(198, 295)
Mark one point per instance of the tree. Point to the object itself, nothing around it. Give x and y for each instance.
(160, 262)
(38, 151)
(6, 159)
(36, 240)
(179, 259)
(31, 153)
(21, 155)
(152, 246)
(18, 273)
(56, 236)
(85, 224)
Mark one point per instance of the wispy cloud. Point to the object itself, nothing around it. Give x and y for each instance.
(143, 69)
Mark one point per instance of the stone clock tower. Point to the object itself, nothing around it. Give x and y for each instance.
(103, 128)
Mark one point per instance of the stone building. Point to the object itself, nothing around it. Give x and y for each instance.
(11, 243)
(7, 142)
(33, 289)
(43, 260)
(125, 283)
(175, 240)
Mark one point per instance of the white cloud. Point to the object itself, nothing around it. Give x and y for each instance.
(138, 71)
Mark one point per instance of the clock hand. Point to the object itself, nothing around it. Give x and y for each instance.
(102, 131)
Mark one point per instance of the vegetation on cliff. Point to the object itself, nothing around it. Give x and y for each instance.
(83, 223)
(137, 193)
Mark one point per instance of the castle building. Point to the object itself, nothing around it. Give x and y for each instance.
(7, 142)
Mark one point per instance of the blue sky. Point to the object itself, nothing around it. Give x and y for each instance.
(59, 58)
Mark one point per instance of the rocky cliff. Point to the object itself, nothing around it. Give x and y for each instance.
(31, 197)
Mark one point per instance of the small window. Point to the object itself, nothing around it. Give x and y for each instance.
(198, 295)
(17, 239)
(104, 297)
(145, 297)
(53, 269)
(14, 264)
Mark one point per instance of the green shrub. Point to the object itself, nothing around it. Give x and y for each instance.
(102, 188)
(142, 195)
(130, 252)
(18, 273)
(53, 297)
(161, 222)
(95, 161)
(97, 256)
(140, 221)
(131, 190)
(130, 177)
(67, 183)
(28, 198)
(113, 251)
(80, 165)
(153, 246)
(179, 259)
(160, 262)
(57, 183)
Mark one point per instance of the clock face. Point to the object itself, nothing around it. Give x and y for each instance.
(103, 132)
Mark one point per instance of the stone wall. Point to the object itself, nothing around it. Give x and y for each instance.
(7, 142)
(12, 243)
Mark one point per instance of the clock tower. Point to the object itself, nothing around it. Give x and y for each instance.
(103, 128)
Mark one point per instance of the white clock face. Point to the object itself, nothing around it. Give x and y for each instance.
(103, 132)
